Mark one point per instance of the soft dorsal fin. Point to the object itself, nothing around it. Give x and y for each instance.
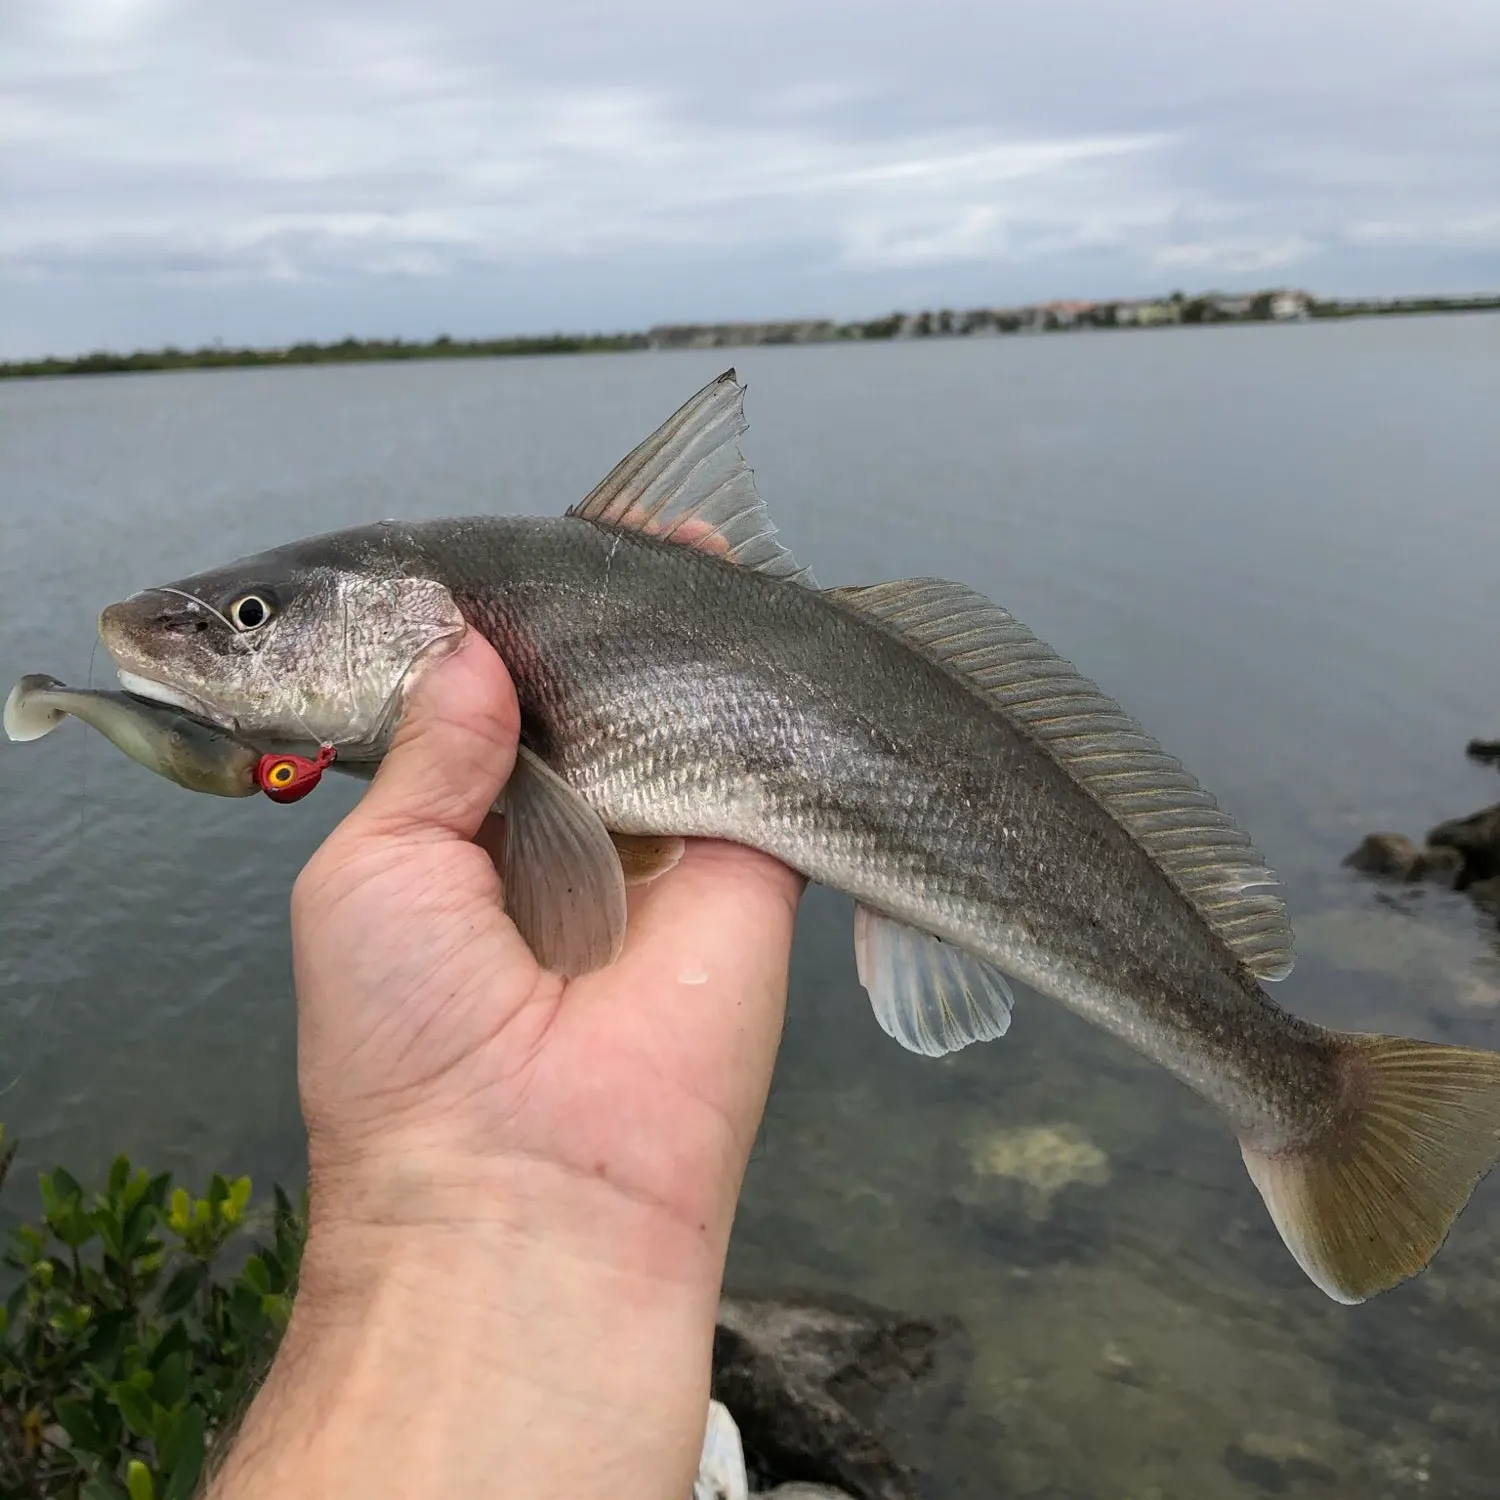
(1106, 752)
(689, 483)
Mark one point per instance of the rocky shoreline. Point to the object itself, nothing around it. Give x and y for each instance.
(827, 1398)
(1462, 854)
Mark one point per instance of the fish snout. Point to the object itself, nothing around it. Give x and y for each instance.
(151, 615)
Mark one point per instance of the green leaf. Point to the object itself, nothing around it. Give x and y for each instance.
(107, 1341)
(66, 1184)
(245, 1307)
(81, 1428)
(102, 1489)
(275, 1271)
(173, 1341)
(156, 1189)
(171, 1382)
(136, 1407)
(137, 1229)
(138, 1481)
(119, 1174)
(182, 1288)
(182, 1455)
(106, 1417)
(107, 1225)
(256, 1274)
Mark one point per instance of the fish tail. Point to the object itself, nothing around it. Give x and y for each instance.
(26, 718)
(1369, 1203)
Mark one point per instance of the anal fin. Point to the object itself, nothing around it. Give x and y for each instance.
(930, 996)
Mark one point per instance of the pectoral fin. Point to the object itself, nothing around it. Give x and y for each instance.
(564, 888)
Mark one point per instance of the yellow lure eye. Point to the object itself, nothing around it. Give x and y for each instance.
(282, 774)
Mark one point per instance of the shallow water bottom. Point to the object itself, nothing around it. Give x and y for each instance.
(1140, 1331)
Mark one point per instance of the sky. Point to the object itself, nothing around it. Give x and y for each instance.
(180, 171)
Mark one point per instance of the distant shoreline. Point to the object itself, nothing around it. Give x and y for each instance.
(1277, 305)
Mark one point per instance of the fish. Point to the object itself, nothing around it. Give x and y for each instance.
(201, 757)
(995, 815)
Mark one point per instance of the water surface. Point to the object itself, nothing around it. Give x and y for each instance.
(1276, 545)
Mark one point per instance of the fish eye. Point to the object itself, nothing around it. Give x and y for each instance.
(249, 612)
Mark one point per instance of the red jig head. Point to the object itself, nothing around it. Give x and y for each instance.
(289, 778)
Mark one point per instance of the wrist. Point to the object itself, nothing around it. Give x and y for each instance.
(411, 1192)
(471, 1352)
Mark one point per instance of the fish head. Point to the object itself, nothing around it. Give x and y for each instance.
(319, 641)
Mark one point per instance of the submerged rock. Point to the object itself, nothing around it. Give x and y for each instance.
(1476, 841)
(1395, 854)
(1463, 853)
(1385, 854)
(1043, 1159)
(834, 1392)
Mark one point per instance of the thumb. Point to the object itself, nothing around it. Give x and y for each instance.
(452, 752)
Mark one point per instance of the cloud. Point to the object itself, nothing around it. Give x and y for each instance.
(883, 149)
(1235, 255)
(412, 166)
(1474, 230)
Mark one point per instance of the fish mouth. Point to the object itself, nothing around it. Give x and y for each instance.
(161, 692)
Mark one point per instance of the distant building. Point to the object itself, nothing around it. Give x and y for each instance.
(1145, 313)
(1064, 314)
(1231, 305)
(1290, 304)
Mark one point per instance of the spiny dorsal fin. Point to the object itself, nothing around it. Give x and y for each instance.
(1106, 752)
(689, 483)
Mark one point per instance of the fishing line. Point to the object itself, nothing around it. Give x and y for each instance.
(42, 1024)
(253, 653)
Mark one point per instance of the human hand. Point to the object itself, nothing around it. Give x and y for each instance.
(542, 1172)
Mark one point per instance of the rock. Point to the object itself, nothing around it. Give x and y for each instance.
(1477, 840)
(1439, 862)
(1395, 854)
(1385, 854)
(721, 1468)
(1486, 893)
(1275, 1463)
(832, 1391)
(1483, 750)
(801, 1491)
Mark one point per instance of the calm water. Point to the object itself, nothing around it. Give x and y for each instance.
(1276, 545)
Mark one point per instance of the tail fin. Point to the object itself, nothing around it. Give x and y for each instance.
(1371, 1203)
(24, 718)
